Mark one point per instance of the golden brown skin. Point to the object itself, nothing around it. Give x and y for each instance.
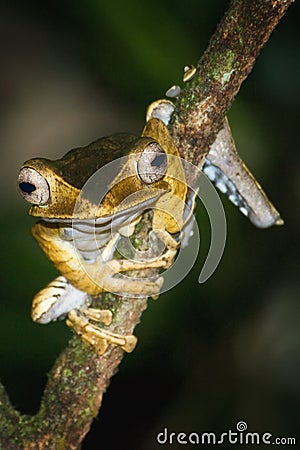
(62, 203)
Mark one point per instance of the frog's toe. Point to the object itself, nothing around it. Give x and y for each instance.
(98, 337)
(98, 315)
(136, 287)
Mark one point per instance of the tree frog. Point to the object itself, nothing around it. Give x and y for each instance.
(148, 177)
(79, 234)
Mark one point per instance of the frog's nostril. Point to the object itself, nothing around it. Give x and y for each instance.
(28, 188)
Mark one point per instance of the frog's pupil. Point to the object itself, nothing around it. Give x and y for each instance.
(158, 160)
(28, 188)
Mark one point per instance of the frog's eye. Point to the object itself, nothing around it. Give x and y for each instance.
(153, 163)
(33, 186)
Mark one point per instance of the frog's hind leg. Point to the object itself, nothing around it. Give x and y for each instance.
(56, 300)
(96, 336)
(59, 298)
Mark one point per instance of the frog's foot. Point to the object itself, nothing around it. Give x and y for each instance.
(145, 260)
(96, 336)
(128, 286)
(160, 262)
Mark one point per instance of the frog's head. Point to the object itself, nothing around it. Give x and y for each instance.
(148, 169)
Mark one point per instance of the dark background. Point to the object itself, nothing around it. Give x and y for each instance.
(208, 355)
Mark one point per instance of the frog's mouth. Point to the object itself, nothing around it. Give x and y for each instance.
(91, 235)
(120, 217)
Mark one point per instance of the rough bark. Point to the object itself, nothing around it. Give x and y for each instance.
(230, 56)
(79, 378)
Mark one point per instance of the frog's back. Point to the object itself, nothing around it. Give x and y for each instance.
(84, 161)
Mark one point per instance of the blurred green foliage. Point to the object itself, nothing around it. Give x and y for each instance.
(144, 45)
(208, 355)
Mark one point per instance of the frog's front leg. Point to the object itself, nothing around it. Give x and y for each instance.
(104, 271)
(145, 260)
(161, 262)
(91, 277)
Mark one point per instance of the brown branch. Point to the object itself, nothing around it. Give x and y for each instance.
(229, 58)
(79, 378)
